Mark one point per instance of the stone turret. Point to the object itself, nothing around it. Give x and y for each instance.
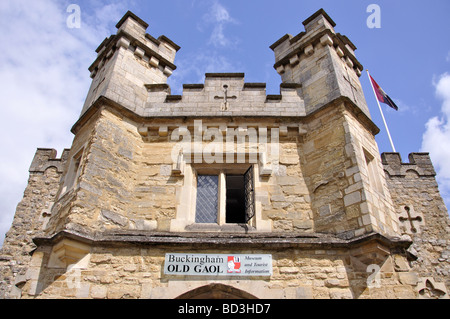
(128, 60)
(419, 163)
(322, 61)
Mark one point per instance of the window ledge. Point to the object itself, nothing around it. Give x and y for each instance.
(210, 227)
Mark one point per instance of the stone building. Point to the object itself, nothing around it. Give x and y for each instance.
(225, 191)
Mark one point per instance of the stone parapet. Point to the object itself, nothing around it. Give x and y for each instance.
(423, 216)
(420, 163)
(46, 158)
(223, 94)
(32, 214)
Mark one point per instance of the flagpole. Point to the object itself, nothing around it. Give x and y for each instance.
(381, 111)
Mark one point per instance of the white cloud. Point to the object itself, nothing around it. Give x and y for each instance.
(43, 83)
(210, 57)
(191, 68)
(436, 139)
(218, 17)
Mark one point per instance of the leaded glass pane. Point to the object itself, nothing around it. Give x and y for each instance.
(207, 199)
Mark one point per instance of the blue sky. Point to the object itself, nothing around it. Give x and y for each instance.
(44, 77)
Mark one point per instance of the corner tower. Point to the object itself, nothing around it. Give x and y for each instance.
(339, 155)
(322, 61)
(128, 60)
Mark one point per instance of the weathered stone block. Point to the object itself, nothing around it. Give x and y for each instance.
(352, 198)
(114, 218)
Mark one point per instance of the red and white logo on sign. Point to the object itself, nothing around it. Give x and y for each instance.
(234, 264)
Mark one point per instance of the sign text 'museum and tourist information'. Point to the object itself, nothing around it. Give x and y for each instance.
(218, 264)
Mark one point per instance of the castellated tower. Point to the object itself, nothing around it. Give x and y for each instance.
(323, 61)
(339, 151)
(127, 61)
(226, 191)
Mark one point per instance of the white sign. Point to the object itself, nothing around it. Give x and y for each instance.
(218, 264)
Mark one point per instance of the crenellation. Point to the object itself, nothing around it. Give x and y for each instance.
(418, 162)
(131, 21)
(422, 216)
(46, 158)
(30, 220)
(318, 21)
(202, 99)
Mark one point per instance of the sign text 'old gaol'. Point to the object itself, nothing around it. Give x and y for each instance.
(218, 264)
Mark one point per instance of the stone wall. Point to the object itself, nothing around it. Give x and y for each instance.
(423, 216)
(32, 214)
(136, 271)
(345, 198)
(224, 94)
(101, 196)
(319, 180)
(127, 181)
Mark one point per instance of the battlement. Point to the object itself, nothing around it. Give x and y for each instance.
(223, 94)
(319, 31)
(420, 163)
(45, 158)
(132, 32)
